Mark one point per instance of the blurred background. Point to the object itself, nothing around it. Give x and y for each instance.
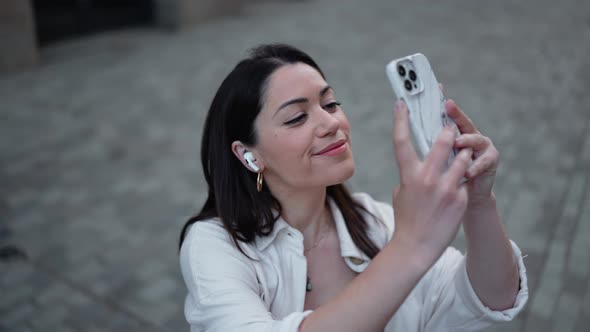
(102, 105)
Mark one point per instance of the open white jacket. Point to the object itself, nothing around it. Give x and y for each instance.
(229, 292)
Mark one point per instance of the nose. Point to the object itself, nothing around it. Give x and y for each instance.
(328, 123)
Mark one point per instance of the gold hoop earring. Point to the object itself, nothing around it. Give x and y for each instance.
(259, 182)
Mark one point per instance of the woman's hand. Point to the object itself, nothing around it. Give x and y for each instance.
(491, 264)
(482, 172)
(430, 203)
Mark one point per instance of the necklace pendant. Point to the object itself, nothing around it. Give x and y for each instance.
(308, 285)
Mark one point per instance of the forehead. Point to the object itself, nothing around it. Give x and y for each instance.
(293, 81)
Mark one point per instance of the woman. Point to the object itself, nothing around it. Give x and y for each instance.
(280, 244)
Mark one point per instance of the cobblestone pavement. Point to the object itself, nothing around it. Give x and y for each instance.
(99, 165)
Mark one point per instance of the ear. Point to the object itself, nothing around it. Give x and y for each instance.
(240, 149)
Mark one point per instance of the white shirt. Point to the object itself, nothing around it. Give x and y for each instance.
(229, 292)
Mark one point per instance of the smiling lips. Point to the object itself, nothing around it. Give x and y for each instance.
(333, 149)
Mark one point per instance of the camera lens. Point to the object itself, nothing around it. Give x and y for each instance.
(408, 85)
(412, 75)
(401, 70)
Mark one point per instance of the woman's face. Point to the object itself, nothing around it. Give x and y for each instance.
(303, 134)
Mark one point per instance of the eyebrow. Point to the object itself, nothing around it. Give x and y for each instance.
(301, 100)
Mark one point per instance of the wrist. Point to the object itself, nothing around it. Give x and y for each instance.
(420, 255)
(481, 202)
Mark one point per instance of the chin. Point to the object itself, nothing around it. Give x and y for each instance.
(341, 173)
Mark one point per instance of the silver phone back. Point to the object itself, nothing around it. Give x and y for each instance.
(425, 101)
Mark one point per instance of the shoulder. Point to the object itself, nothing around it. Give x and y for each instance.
(205, 228)
(380, 214)
(209, 253)
(210, 238)
(208, 243)
(204, 234)
(200, 239)
(371, 204)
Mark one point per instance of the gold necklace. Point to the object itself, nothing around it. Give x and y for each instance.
(317, 242)
(308, 286)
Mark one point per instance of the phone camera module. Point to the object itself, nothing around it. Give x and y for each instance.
(408, 85)
(401, 70)
(412, 75)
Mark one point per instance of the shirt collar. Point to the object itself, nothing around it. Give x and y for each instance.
(347, 247)
(262, 242)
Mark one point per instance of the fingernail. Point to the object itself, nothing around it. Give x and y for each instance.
(469, 153)
(398, 106)
(466, 153)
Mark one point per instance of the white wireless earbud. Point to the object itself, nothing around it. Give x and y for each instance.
(250, 160)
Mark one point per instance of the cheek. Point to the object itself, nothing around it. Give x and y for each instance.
(285, 150)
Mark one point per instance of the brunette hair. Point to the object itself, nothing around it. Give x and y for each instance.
(244, 212)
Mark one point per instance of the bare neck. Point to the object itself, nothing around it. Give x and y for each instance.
(307, 211)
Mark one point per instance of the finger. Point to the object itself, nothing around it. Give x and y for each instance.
(488, 161)
(395, 192)
(464, 123)
(405, 154)
(438, 156)
(460, 165)
(475, 141)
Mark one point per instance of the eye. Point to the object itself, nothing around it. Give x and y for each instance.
(297, 119)
(331, 106)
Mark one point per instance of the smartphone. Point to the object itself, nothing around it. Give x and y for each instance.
(413, 81)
